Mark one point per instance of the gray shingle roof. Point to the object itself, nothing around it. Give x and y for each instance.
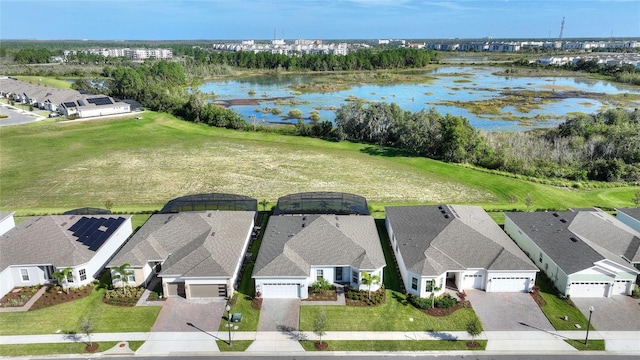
(435, 239)
(191, 244)
(294, 243)
(576, 240)
(48, 240)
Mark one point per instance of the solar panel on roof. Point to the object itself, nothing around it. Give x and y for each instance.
(100, 101)
(69, 104)
(93, 232)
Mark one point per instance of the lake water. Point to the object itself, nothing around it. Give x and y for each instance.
(452, 83)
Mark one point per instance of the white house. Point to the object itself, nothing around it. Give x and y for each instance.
(455, 246)
(585, 253)
(299, 249)
(196, 254)
(33, 250)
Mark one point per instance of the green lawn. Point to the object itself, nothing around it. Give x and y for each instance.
(67, 318)
(396, 314)
(592, 345)
(393, 345)
(51, 349)
(45, 81)
(556, 308)
(141, 164)
(390, 277)
(238, 345)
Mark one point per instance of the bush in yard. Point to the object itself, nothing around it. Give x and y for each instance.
(420, 302)
(635, 292)
(446, 301)
(320, 286)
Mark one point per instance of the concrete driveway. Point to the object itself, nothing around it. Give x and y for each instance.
(178, 313)
(279, 315)
(507, 311)
(17, 116)
(617, 313)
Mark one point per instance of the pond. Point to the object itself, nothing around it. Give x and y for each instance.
(488, 100)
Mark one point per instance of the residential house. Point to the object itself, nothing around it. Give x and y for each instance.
(298, 250)
(586, 253)
(33, 250)
(455, 246)
(195, 254)
(630, 217)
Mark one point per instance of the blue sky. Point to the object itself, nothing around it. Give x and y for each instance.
(315, 19)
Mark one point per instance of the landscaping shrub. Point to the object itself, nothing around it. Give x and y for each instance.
(445, 301)
(420, 302)
(635, 292)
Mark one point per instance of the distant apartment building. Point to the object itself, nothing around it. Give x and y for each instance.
(280, 46)
(134, 54)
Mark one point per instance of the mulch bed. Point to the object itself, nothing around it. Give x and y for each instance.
(92, 348)
(321, 346)
(538, 299)
(54, 296)
(256, 303)
(365, 301)
(449, 311)
(328, 295)
(472, 344)
(19, 296)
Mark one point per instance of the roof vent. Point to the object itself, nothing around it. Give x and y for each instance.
(63, 224)
(213, 233)
(304, 218)
(446, 216)
(337, 218)
(440, 207)
(564, 221)
(337, 225)
(209, 215)
(72, 217)
(555, 214)
(573, 239)
(303, 224)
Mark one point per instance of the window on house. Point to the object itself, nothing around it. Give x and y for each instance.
(338, 274)
(428, 285)
(540, 257)
(319, 274)
(355, 278)
(83, 274)
(25, 274)
(414, 283)
(131, 277)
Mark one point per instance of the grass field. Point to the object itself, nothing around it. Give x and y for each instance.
(50, 167)
(45, 81)
(393, 345)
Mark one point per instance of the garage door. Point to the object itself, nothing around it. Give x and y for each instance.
(589, 289)
(475, 281)
(509, 284)
(280, 290)
(207, 290)
(620, 287)
(176, 289)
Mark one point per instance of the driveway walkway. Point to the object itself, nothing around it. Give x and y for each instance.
(617, 313)
(508, 311)
(181, 315)
(279, 315)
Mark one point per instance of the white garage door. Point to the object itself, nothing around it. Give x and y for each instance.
(589, 289)
(280, 290)
(509, 284)
(620, 287)
(475, 281)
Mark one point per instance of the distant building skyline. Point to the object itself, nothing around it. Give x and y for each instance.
(316, 19)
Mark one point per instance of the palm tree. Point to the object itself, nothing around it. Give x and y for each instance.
(264, 204)
(122, 273)
(370, 279)
(62, 276)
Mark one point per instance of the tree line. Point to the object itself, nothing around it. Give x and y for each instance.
(604, 146)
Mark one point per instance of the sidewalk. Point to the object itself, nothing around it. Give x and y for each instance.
(280, 343)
